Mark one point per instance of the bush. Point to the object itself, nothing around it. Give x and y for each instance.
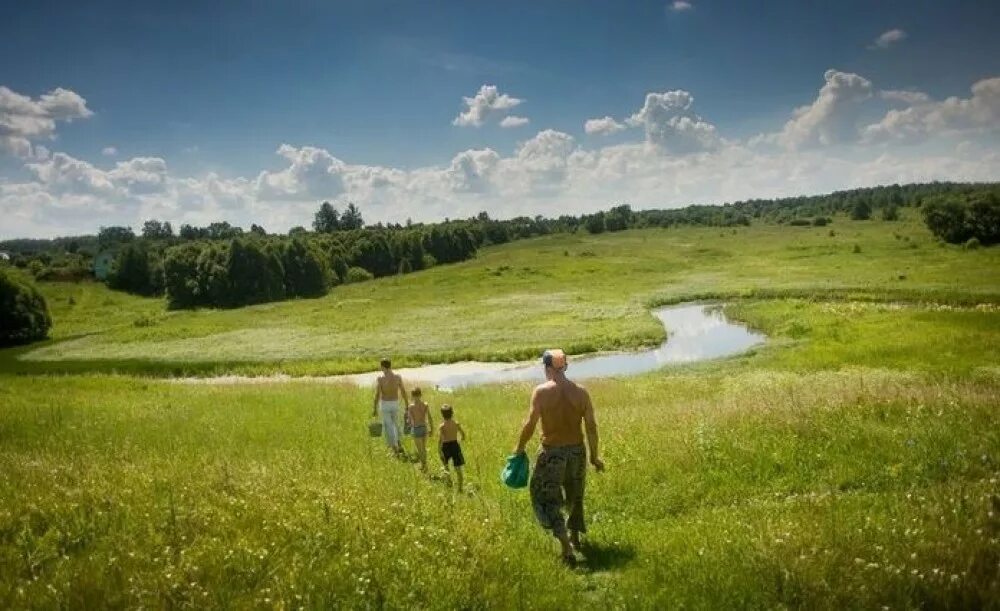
(971, 244)
(254, 276)
(821, 221)
(429, 261)
(948, 220)
(306, 273)
(180, 276)
(595, 223)
(984, 218)
(890, 213)
(134, 272)
(861, 211)
(856, 249)
(357, 274)
(24, 315)
(799, 223)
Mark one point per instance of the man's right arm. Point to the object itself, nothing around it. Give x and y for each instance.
(528, 429)
(592, 438)
(378, 389)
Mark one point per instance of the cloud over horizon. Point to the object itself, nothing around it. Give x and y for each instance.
(851, 134)
(488, 103)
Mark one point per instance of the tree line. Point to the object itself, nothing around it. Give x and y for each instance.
(202, 266)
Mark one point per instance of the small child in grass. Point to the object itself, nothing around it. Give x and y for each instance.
(419, 416)
(448, 445)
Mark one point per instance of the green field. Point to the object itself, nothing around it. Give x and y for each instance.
(585, 293)
(851, 462)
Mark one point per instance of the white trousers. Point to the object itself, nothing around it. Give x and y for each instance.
(390, 414)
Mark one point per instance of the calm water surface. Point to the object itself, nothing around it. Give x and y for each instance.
(695, 332)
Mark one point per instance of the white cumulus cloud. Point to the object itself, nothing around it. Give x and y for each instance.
(671, 157)
(23, 119)
(904, 96)
(486, 104)
(679, 6)
(109, 151)
(832, 117)
(604, 126)
(924, 117)
(669, 122)
(513, 121)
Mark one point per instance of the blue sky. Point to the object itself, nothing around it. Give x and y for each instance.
(212, 90)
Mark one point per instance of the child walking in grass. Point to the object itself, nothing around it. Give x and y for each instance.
(448, 445)
(419, 416)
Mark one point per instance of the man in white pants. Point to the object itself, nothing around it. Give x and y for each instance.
(388, 390)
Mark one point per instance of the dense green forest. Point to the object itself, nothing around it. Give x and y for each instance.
(221, 265)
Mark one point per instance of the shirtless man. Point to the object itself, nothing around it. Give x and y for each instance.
(388, 391)
(561, 468)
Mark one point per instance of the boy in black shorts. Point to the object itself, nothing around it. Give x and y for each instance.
(448, 445)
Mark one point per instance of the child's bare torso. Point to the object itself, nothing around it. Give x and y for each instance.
(448, 431)
(418, 413)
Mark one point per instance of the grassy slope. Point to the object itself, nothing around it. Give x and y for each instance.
(853, 462)
(582, 292)
(728, 487)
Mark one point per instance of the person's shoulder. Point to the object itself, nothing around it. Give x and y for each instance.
(545, 386)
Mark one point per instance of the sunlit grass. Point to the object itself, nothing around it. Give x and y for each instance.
(851, 462)
(738, 487)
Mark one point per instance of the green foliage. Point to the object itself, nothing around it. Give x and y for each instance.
(111, 237)
(618, 218)
(957, 219)
(972, 244)
(351, 219)
(327, 219)
(820, 221)
(374, 254)
(595, 223)
(449, 243)
(157, 230)
(24, 314)
(357, 274)
(253, 275)
(861, 211)
(136, 272)
(181, 277)
(890, 213)
(307, 273)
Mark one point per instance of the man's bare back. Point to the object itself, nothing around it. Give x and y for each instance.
(562, 406)
(390, 385)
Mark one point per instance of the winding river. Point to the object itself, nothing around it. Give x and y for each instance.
(695, 332)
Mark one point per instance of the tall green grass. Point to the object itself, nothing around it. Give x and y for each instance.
(741, 487)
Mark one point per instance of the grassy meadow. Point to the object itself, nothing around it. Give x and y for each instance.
(585, 293)
(853, 461)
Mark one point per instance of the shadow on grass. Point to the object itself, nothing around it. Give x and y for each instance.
(603, 556)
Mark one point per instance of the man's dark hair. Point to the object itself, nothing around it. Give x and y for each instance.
(447, 412)
(385, 364)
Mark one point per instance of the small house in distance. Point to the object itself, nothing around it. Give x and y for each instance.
(4, 257)
(103, 263)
